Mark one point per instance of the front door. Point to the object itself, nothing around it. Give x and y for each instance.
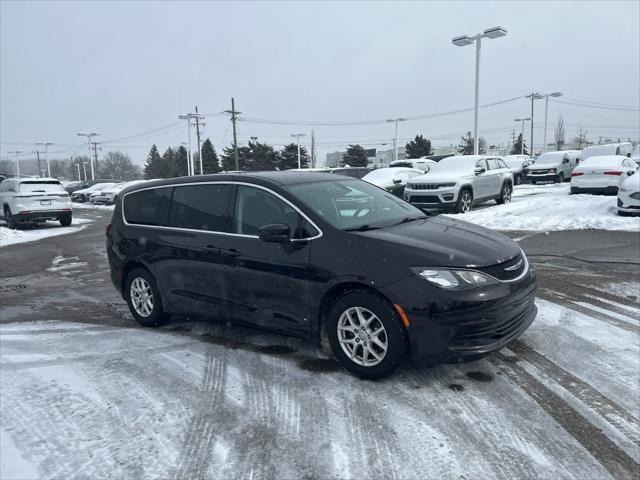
(269, 284)
(482, 183)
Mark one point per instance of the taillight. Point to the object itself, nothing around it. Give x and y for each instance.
(613, 173)
(576, 174)
(107, 229)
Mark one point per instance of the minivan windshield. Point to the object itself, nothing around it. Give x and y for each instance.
(355, 204)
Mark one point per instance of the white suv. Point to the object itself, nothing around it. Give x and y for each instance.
(34, 200)
(459, 182)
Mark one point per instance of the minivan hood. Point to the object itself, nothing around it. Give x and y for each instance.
(444, 242)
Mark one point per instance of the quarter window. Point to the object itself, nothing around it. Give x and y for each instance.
(202, 207)
(148, 207)
(256, 207)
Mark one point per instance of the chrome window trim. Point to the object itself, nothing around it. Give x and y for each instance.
(222, 182)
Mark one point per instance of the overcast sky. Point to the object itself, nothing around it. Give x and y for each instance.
(123, 69)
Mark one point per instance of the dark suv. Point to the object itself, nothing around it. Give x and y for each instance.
(322, 257)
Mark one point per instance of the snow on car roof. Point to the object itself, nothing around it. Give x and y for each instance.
(382, 174)
(458, 162)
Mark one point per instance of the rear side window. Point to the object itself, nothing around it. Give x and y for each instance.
(501, 163)
(148, 207)
(493, 164)
(256, 207)
(202, 207)
(41, 187)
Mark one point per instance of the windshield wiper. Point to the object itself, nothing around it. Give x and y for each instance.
(410, 219)
(361, 228)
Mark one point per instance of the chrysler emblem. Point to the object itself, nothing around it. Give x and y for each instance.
(514, 267)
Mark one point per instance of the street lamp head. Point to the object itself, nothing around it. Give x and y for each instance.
(555, 94)
(82, 134)
(461, 41)
(522, 119)
(402, 119)
(495, 32)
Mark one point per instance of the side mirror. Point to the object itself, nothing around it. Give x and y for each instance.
(274, 233)
(397, 181)
(479, 170)
(631, 172)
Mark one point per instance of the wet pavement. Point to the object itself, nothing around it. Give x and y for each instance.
(86, 393)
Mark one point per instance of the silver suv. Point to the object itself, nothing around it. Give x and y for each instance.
(457, 183)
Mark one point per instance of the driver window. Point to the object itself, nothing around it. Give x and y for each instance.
(255, 208)
(481, 164)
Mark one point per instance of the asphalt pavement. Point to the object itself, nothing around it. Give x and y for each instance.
(85, 392)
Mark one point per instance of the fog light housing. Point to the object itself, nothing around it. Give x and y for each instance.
(448, 197)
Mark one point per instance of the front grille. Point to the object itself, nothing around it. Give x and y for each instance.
(542, 172)
(424, 186)
(424, 199)
(500, 271)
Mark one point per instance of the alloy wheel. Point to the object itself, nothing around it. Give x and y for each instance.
(141, 297)
(466, 202)
(362, 336)
(506, 194)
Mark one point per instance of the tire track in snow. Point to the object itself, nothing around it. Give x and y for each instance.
(620, 465)
(584, 392)
(193, 461)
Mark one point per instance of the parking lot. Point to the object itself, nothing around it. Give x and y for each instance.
(86, 393)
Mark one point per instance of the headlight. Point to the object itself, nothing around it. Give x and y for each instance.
(456, 280)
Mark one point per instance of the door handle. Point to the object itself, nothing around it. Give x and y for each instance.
(231, 252)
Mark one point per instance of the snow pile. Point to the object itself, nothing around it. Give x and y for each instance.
(549, 208)
(11, 237)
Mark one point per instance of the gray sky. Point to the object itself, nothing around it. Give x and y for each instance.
(122, 69)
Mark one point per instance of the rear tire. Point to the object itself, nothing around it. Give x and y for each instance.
(66, 220)
(505, 194)
(8, 218)
(465, 201)
(143, 298)
(366, 335)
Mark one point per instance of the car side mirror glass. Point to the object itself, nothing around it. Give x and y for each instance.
(631, 172)
(397, 181)
(274, 233)
(479, 170)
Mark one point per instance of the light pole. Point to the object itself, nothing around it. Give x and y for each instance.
(495, 32)
(522, 134)
(79, 177)
(546, 112)
(46, 155)
(395, 138)
(89, 137)
(188, 117)
(298, 135)
(84, 167)
(17, 152)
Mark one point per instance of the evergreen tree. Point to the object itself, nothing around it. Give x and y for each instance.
(154, 166)
(419, 147)
(466, 145)
(261, 157)
(228, 159)
(289, 157)
(355, 156)
(210, 160)
(178, 165)
(518, 147)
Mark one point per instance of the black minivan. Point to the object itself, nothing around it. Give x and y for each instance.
(323, 257)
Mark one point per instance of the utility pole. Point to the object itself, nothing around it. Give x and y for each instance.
(38, 152)
(198, 135)
(46, 156)
(234, 118)
(84, 167)
(513, 137)
(17, 152)
(522, 135)
(533, 96)
(189, 117)
(395, 139)
(298, 135)
(313, 149)
(95, 153)
(89, 136)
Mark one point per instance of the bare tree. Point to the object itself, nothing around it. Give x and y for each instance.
(6, 167)
(559, 133)
(580, 139)
(118, 166)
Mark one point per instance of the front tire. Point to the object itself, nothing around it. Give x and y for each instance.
(517, 179)
(505, 194)
(366, 335)
(465, 202)
(143, 298)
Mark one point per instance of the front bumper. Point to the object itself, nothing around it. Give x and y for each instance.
(627, 204)
(441, 198)
(541, 177)
(449, 327)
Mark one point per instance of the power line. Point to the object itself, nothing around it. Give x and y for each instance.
(585, 105)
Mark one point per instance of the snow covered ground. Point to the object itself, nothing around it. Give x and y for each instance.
(91, 206)
(95, 401)
(550, 207)
(48, 229)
